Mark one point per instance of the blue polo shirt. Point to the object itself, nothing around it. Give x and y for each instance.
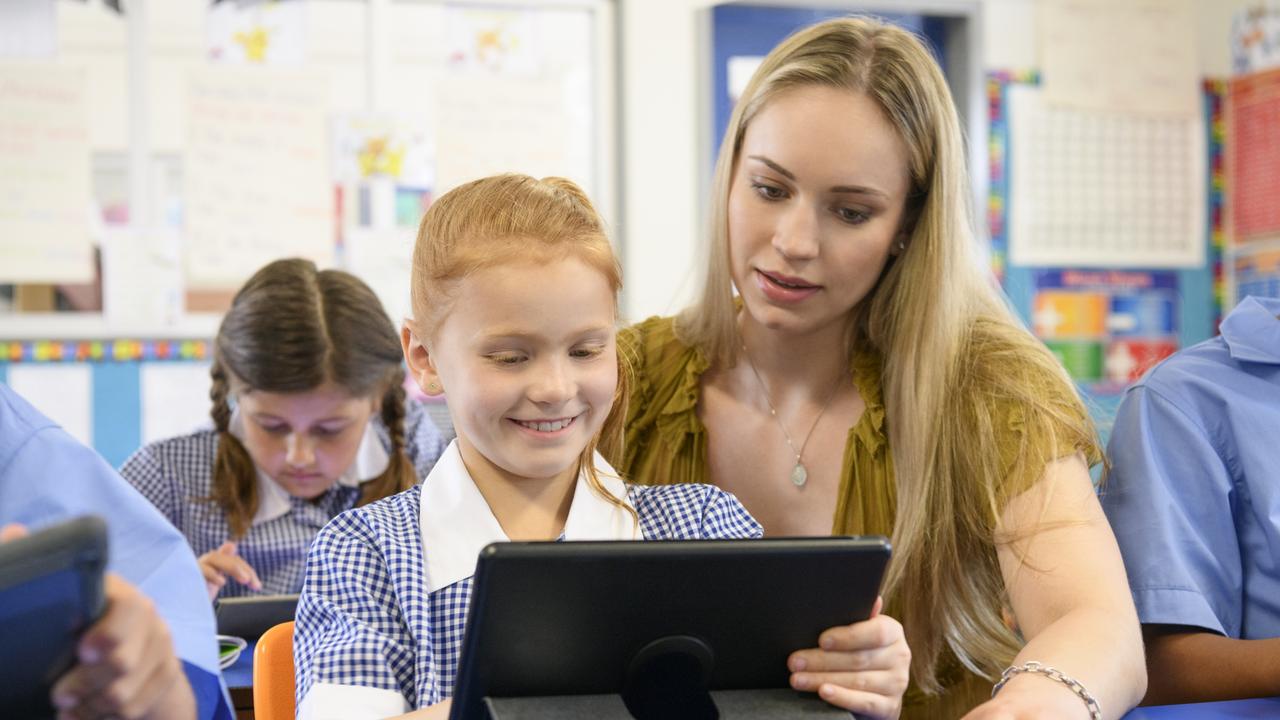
(47, 476)
(1194, 492)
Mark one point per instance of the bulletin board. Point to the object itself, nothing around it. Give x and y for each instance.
(1108, 324)
(314, 128)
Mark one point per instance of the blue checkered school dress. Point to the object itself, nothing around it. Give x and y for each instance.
(366, 618)
(176, 474)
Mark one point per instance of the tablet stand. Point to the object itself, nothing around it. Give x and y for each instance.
(667, 680)
(732, 705)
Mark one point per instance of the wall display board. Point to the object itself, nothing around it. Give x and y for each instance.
(1107, 327)
(243, 132)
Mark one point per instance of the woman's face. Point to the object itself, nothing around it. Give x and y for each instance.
(815, 207)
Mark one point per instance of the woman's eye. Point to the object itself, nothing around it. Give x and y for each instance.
(506, 358)
(852, 216)
(585, 352)
(275, 429)
(326, 432)
(768, 192)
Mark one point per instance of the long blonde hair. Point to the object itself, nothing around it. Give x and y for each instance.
(509, 217)
(290, 329)
(949, 346)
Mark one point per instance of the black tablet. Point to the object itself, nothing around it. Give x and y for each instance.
(655, 619)
(50, 592)
(249, 616)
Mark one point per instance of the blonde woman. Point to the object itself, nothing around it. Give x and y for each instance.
(869, 378)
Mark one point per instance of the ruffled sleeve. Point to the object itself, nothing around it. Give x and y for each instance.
(665, 441)
(867, 498)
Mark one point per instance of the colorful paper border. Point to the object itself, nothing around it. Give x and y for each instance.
(47, 351)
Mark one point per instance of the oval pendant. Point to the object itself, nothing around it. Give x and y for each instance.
(799, 475)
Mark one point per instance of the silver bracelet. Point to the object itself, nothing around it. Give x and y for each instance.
(1095, 712)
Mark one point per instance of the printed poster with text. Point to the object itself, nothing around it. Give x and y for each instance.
(1107, 326)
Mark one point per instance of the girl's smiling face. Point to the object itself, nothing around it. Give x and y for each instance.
(527, 354)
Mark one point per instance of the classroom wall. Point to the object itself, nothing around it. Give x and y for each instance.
(665, 110)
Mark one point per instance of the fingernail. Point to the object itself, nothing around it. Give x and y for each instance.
(827, 691)
(826, 643)
(89, 654)
(64, 701)
(800, 682)
(798, 664)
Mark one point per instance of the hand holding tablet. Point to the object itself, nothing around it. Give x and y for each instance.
(74, 639)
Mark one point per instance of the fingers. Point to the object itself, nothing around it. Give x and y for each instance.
(12, 531)
(224, 563)
(863, 704)
(875, 609)
(879, 631)
(883, 658)
(118, 659)
(880, 682)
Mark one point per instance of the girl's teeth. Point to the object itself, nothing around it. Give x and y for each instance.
(547, 426)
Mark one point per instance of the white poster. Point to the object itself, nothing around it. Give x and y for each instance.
(62, 391)
(28, 29)
(258, 32)
(257, 173)
(175, 398)
(1134, 56)
(1095, 189)
(45, 200)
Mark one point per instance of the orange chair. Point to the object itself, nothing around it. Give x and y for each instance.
(273, 674)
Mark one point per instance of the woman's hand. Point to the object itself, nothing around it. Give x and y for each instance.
(863, 667)
(218, 565)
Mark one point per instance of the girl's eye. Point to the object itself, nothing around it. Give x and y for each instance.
(506, 358)
(767, 191)
(327, 432)
(852, 216)
(586, 352)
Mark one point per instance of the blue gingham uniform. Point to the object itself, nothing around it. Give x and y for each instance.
(366, 618)
(176, 473)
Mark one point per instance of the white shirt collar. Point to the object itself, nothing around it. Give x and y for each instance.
(273, 500)
(457, 522)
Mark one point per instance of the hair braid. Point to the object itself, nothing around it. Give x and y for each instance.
(235, 486)
(400, 474)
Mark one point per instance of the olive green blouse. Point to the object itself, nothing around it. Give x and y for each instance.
(666, 443)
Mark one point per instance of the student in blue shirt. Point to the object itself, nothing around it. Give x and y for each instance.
(310, 419)
(1194, 498)
(153, 658)
(515, 314)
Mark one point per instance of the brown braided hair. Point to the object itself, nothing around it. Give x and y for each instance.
(292, 328)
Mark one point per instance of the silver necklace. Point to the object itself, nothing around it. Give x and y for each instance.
(799, 473)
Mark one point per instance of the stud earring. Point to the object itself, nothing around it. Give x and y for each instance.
(433, 387)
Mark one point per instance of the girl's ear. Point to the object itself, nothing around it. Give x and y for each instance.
(421, 366)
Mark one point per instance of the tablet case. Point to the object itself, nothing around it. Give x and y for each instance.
(50, 592)
(661, 623)
(251, 615)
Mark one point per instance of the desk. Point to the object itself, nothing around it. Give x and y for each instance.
(1230, 710)
(239, 679)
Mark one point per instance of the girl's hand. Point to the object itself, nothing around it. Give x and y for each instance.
(218, 565)
(863, 667)
(1031, 696)
(126, 667)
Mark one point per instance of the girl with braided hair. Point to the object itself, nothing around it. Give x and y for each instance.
(310, 419)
